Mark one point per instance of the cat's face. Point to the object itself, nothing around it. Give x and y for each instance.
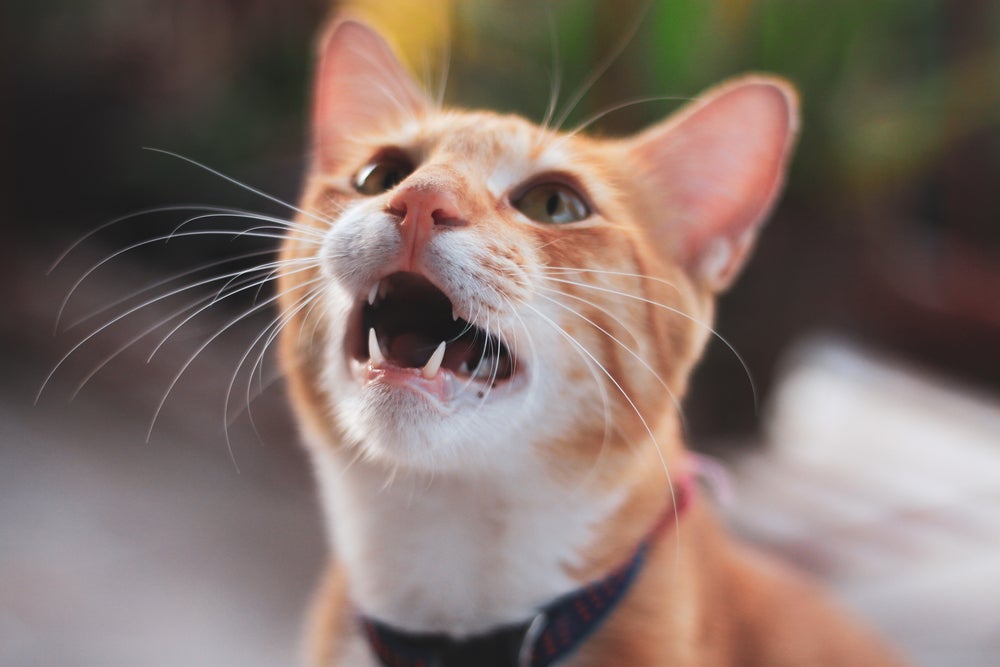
(478, 291)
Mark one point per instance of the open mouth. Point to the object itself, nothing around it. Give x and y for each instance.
(406, 324)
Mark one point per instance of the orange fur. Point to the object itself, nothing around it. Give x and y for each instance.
(701, 599)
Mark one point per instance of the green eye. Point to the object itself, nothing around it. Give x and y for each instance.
(382, 174)
(554, 203)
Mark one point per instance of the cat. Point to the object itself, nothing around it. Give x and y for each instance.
(486, 343)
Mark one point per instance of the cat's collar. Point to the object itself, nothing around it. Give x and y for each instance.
(555, 632)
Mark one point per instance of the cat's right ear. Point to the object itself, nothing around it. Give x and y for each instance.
(710, 174)
(360, 88)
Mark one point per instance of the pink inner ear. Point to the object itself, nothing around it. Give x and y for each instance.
(714, 172)
(360, 87)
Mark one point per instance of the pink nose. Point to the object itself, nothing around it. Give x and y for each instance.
(420, 207)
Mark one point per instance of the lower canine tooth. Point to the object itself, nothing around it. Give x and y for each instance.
(430, 369)
(374, 352)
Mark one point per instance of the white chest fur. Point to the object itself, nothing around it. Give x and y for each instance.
(455, 555)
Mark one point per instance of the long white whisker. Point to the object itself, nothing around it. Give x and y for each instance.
(140, 244)
(258, 366)
(132, 341)
(248, 188)
(280, 223)
(135, 214)
(273, 327)
(604, 65)
(254, 283)
(555, 80)
(607, 373)
(590, 120)
(681, 313)
(623, 274)
(171, 279)
(211, 339)
(633, 353)
(118, 318)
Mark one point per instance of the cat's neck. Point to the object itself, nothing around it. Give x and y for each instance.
(464, 554)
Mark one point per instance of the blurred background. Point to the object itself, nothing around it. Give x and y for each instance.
(869, 318)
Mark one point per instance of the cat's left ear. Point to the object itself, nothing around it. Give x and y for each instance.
(710, 174)
(360, 88)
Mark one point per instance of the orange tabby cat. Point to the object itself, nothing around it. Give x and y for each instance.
(488, 339)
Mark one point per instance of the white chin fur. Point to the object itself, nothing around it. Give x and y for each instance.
(403, 428)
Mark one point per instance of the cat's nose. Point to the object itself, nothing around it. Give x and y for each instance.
(421, 207)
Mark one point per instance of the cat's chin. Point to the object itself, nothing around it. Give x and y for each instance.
(400, 420)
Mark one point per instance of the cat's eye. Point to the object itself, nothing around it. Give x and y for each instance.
(555, 203)
(382, 174)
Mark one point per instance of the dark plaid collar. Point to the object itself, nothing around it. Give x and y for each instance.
(555, 632)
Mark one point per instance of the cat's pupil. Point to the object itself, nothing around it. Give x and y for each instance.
(552, 205)
(393, 177)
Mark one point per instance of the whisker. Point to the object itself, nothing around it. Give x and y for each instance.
(209, 341)
(635, 355)
(605, 401)
(258, 366)
(281, 223)
(248, 188)
(590, 120)
(607, 373)
(555, 80)
(140, 244)
(592, 304)
(710, 329)
(269, 332)
(635, 409)
(132, 341)
(604, 65)
(118, 318)
(135, 214)
(445, 70)
(623, 274)
(254, 283)
(166, 281)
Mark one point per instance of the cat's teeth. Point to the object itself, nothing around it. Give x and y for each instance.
(454, 315)
(430, 369)
(464, 367)
(374, 351)
(373, 292)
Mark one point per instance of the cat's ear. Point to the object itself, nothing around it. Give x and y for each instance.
(361, 87)
(710, 174)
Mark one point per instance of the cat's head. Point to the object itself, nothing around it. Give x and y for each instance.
(570, 279)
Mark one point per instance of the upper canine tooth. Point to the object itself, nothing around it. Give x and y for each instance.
(374, 351)
(373, 292)
(454, 315)
(430, 369)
